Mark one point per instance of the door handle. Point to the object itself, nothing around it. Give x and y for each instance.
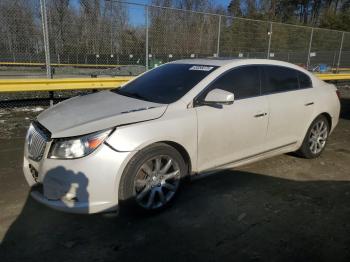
(309, 104)
(260, 115)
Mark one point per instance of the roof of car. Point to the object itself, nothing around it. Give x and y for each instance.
(206, 61)
(232, 61)
(244, 61)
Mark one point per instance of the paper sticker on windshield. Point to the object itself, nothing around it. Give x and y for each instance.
(201, 68)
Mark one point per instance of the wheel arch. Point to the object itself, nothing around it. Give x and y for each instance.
(183, 152)
(303, 151)
(328, 117)
(178, 147)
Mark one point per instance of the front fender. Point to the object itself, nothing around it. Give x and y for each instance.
(178, 126)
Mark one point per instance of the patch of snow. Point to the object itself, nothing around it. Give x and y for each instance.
(29, 109)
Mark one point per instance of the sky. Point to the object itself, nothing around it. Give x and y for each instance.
(137, 13)
(221, 2)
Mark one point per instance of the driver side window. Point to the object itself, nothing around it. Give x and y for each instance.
(243, 81)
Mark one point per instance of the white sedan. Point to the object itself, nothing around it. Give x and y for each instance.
(134, 145)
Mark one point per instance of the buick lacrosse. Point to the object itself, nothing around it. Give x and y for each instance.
(136, 143)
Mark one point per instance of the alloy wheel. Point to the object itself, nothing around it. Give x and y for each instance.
(318, 136)
(156, 182)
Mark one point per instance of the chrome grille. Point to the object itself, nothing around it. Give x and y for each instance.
(36, 142)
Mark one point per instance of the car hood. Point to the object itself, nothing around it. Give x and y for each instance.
(90, 113)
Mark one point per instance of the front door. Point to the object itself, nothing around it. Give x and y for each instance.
(237, 131)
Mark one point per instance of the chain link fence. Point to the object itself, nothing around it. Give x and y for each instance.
(108, 37)
(21, 38)
(176, 34)
(104, 35)
(290, 43)
(236, 38)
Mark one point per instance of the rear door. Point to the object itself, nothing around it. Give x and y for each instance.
(290, 107)
(232, 132)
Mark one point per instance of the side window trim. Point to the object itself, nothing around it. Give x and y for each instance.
(207, 88)
(310, 80)
(264, 79)
(261, 75)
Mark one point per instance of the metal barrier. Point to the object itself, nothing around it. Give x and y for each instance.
(334, 77)
(33, 85)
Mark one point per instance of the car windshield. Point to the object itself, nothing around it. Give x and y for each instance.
(166, 84)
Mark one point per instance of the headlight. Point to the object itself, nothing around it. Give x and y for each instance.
(68, 148)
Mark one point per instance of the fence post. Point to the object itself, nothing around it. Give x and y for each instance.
(146, 37)
(340, 51)
(269, 46)
(309, 51)
(333, 61)
(219, 35)
(46, 38)
(111, 13)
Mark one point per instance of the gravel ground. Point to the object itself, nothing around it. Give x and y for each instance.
(281, 209)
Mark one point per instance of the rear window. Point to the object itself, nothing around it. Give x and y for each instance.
(304, 80)
(166, 84)
(279, 79)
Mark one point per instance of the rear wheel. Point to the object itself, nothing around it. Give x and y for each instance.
(152, 178)
(316, 138)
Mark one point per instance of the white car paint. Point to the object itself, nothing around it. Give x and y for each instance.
(213, 138)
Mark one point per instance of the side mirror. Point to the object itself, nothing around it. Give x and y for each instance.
(219, 96)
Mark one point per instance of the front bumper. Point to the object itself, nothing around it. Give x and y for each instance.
(85, 185)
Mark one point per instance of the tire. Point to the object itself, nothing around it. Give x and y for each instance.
(316, 138)
(152, 178)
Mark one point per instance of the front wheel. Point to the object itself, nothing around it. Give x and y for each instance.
(316, 138)
(152, 178)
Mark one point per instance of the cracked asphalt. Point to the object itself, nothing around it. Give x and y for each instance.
(280, 209)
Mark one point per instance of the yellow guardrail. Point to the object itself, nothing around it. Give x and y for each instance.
(28, 85)
(333, 77)
(334, 69)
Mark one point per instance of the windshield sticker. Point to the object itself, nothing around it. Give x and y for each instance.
(201, 68)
